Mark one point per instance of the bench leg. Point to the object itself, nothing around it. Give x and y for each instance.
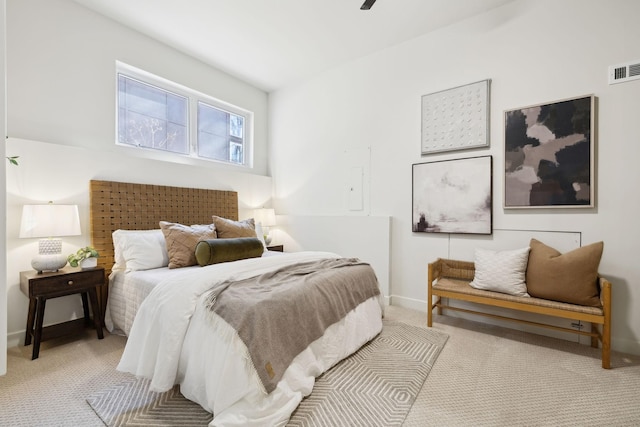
(594, 338)
(606, 345)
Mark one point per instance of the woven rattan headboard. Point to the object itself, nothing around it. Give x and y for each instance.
(127, 206)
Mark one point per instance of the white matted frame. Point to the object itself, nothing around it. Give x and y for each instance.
(549, 155)
(456, 119)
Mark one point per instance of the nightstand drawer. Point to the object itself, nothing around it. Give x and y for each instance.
(65, 284)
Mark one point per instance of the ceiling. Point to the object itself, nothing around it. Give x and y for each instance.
(273, 43)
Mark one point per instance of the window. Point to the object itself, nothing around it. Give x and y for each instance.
(220, 134)
(151, 117)
(157, 114)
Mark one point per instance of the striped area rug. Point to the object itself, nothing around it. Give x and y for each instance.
(376, 386)
(130, 403)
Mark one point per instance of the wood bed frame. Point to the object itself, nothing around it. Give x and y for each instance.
(129, 206)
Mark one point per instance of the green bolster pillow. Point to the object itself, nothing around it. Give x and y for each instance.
(214, 251)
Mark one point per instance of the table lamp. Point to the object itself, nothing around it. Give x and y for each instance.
(266, 217)
(49, 221)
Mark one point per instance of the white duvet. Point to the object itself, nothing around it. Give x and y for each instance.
(174, 339)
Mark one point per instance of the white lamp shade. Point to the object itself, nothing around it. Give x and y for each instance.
(266, 217)
(49, 221)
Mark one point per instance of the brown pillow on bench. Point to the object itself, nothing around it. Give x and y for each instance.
(570, 277)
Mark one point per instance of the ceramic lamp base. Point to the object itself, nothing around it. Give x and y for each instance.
(48, 262)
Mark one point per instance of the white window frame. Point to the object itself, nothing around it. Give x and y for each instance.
(194, 97)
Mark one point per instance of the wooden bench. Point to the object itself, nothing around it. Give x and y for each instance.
(450, 279)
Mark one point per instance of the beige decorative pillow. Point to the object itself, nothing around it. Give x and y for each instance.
(228, 228)
(570, 277)
(181, 241)
(501, 271)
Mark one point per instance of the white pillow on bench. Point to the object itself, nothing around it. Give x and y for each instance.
(501, 271)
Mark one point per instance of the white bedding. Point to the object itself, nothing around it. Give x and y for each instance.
(174, 339)
(127, 290)
(126, 293)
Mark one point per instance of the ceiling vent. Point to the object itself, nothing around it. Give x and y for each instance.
(624, 72)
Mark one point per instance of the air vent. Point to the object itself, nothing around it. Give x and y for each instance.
(624, 72)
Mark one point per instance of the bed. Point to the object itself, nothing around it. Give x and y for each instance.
(176, 337)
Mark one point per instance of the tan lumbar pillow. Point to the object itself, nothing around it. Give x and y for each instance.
(214, 251)
(570, 277)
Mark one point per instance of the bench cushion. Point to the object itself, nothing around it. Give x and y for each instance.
(463, 287)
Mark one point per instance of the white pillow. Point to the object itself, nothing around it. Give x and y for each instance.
(260, 234)
(501, 271)
(139, 250)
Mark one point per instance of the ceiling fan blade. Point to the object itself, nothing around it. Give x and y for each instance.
(367, 4)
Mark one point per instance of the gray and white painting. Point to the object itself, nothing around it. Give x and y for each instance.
(453, 196)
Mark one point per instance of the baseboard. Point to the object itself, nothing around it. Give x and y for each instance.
(15, 339)
(410, 303)
(625, 346)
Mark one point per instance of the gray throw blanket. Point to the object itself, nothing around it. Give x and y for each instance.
(278, 314)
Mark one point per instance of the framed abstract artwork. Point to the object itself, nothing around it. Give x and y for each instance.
(456, 119)
(549, 155)
(453, 196)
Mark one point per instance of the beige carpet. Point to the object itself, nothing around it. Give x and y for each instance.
(484, 376)
(52, 390)
(492, 376)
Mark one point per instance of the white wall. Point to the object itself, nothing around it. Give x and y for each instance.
(534, 51)
(61, 122)
(363, 237)
(62, 82)
(3, 202)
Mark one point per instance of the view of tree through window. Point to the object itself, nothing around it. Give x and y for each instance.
(153, 115)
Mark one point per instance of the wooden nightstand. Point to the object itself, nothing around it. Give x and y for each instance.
(276, 248)
(68, 281)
